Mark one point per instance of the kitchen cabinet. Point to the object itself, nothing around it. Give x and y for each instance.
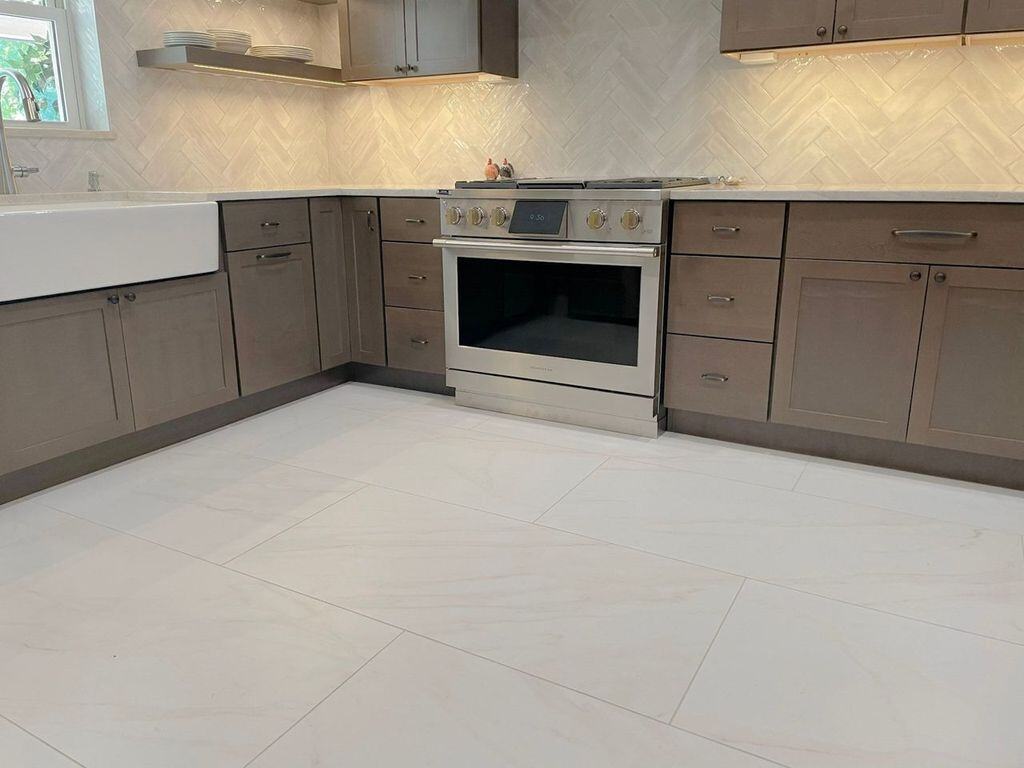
(416, 339)
(718, 376)
(881, 19)
(273, 299)
(847, 346)
(994, 16)
(969, 390)
(328, 241)
(360, 221)
(389, 39)
(180, 347)
(756, 24)
(64, 377)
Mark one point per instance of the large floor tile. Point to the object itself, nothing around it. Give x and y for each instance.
(941, 572)
(209, 503)
(389, 401)
(813, 683)
(120, 652)
(625, 626)
(496, 474)
(21, 750)
(422, 704)
(979, 506)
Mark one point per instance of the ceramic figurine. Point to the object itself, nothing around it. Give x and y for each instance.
(491, 172)
(506, 171)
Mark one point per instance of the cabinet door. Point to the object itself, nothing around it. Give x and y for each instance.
(273, 299)
(331, 281)
(995, 15)
(969, 391)
(63, 377)
(753, 24)
(847, 346)
(372, 38)
(180, 347)
(442, 37)
(881, 19)
(365, 280)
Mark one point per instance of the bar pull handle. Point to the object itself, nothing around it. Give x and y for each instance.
(369, 219)
(721, 299)
(716, 377)
(415, 221)
(417, 277)
(281, 255)
(730, 230)
(270, 224)
(943, 233)
(421, 342)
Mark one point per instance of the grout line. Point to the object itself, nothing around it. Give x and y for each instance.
(564, 495)
(40, 740)
(1022, 545)
(707, 652)
(325, 698)
(800, 477)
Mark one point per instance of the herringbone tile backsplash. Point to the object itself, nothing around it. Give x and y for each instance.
(608, 87)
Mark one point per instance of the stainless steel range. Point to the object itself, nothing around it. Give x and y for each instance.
(553, 298)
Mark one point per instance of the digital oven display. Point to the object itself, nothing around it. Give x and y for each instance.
(538, 217)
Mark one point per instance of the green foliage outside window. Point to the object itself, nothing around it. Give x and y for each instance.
(34, 58)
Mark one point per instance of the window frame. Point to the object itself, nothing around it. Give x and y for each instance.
(53, 11)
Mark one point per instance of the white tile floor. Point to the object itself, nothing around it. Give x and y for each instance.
(377, 578)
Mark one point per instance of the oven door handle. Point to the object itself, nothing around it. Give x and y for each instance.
(499, 246)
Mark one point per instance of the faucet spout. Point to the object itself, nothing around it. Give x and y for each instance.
(8, 185)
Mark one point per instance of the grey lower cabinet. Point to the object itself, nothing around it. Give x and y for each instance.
(969, 391)
(273, 298)
(332, 307)
(180, 347)
(362, 246)
(758, 24)
(64, 377)
(847, 346)
(994, 16)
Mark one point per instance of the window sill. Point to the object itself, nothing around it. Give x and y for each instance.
(32, 132)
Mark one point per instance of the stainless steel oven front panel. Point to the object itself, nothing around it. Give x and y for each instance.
(639, 379)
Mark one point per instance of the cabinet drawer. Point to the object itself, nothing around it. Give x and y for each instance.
(920, 233)
(263, 223)
(412, 276)
(724, 378)
(416, 339)
(410, 219)
(731, 298)
(728, 229)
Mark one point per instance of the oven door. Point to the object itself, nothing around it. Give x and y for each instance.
(585, 315)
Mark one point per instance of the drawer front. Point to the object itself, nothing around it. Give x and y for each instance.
(918, 233)
(715, 228)
(416, 339)
(730, 298)
(410, 219)
(413, 276)
(723, 378)
(263, 223)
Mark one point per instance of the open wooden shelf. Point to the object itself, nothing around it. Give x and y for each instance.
(211, 61)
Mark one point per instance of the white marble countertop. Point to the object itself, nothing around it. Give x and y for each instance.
(219, 195)
(880, 193)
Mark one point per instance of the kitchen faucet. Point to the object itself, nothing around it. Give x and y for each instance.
(7, 173)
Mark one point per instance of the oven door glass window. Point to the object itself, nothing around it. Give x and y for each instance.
(573, 311)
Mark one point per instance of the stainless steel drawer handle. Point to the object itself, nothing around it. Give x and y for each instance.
(415, 221)
(952, 234)
(421, 342)
(721, 299)
(716, 377)
(417, 277)
(270, 224)
(281, 255)
(730, 230)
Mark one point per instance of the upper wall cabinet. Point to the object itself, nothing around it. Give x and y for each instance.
(884, 19)
(994, 16)
(755, 24)
(406, 39)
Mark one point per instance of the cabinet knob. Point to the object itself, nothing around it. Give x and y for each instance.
(940, 277)
(412, 68)
(115, 299)
(822, 31)
(843, 29)
(399, 68)
(130, 296)
(915, 276)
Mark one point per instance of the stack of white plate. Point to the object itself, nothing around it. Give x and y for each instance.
(231, 40)
(285, 52)
(188, 37)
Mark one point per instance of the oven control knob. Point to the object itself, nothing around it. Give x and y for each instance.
(499, 216)
(632, 219)
(454, 215)
(477, 216)
(597, 218)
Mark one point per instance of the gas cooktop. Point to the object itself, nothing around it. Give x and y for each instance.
(661, 182)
